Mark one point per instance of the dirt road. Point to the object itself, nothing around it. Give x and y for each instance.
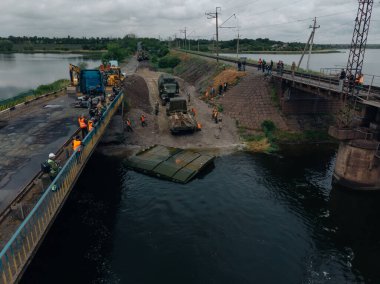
(219, 137)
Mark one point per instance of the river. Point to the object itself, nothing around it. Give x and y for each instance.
(318, 61)
(21, 72)
(253, 218)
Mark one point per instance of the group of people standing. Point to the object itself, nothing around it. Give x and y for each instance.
(352, 81)
(222, 88)
(265, 67)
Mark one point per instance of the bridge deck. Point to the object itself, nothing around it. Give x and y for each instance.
(28, 137)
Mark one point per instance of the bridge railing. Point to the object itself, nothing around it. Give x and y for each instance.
(15, 255)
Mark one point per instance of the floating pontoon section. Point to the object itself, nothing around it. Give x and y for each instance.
(170, 163)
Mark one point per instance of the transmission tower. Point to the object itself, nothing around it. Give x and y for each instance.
(359, 42)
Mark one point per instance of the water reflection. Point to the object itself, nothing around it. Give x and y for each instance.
(253, 218)
(22, 72)
(356, 216)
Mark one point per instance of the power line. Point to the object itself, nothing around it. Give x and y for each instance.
(302, 20)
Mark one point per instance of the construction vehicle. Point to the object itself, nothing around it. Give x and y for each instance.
(180, 118)
(112, 74)
(91, 83)
(74, 74)
(168, 88)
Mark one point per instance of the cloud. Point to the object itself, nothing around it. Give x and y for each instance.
(274, 19)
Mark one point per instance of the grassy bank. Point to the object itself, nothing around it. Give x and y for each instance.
(32, 94)
(270, 139)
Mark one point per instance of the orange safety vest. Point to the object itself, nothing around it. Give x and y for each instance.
(82, 123)
(128, 122)
(76, 144)
(90, 125)
(360, 80)
(142, 118)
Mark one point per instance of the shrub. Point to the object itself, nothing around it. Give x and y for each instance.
(169, 61)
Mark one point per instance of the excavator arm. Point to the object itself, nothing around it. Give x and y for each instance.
(74, 75)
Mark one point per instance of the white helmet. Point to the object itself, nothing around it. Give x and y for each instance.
(51, 156)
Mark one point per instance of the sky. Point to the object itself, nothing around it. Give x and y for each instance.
(274, 19)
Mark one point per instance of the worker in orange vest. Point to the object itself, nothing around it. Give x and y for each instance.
(90, 125)
(143, 122)
(83, 125)
(129, 125)
(193, 112)
(77, 143)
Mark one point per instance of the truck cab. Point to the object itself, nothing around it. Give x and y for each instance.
(168, 88)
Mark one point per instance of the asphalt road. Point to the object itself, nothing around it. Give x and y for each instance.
(28, 138)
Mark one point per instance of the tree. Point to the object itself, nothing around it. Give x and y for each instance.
(6, 45)
(114, 52)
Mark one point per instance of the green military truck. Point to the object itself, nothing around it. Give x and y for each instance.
(168, 88)
(180, 119)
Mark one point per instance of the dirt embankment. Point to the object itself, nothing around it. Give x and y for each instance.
(141, 92)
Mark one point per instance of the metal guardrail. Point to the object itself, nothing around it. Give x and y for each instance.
(16, 254)
(319, 80)
(8, 111)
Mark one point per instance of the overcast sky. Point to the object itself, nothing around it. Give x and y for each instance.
(274, 19)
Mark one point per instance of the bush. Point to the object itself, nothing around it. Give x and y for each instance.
(268, 126)
(169, 61)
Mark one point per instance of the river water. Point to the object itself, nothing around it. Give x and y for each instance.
(252, 218)
(21, 72)
(318, 61)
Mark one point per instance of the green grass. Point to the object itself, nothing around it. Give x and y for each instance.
(32, 94)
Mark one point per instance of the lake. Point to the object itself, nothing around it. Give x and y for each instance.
(253, 218)
(20, 72)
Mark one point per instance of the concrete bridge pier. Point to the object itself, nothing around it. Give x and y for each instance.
(357, 165)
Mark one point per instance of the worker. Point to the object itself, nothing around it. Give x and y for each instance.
(143, 121)
(359, 82)
(90, 125)
(129, 125)
(193, 112)
(54, 166)
(77, 143)
(83, 125)
(156, 107)
(216, 113)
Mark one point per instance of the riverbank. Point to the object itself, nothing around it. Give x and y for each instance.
(249, 117)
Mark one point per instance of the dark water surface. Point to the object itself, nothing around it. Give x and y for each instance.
(251, 219)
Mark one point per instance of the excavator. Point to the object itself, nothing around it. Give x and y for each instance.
(74, 75)
(112, 73)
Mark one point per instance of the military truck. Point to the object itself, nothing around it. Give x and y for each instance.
(180, 119)
(168, 88)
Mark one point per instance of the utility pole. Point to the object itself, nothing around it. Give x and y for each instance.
(311, 39)
(237, 46)
(211, 15)
(314, 27)
(184, 32)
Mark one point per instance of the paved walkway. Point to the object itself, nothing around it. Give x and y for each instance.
(28, 138)
(250, 102)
